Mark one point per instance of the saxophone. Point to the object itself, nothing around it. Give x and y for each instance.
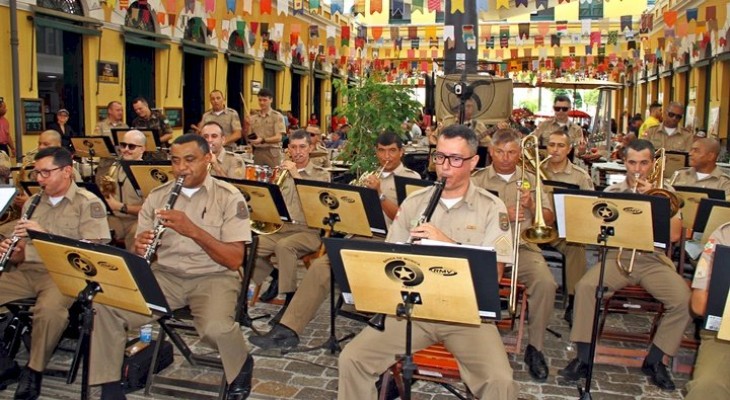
(15, 239)
(158, 228)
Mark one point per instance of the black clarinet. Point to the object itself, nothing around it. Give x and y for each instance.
(15, 239)
(158, 228)
(377, 321)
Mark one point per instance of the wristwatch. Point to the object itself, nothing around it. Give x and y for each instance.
(123, 209)
(381, 197)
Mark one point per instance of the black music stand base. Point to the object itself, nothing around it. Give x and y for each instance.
(405, 310)
(83, 346)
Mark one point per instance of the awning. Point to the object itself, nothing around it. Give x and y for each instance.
(273, 65)
(64, 25)
(198, 49)
(239, 58)
(320, 74)
(144, 38)
(703, 63)
(299, 69)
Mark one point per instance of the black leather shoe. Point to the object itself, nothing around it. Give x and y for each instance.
(271, 292)
(659, 375)
(9, 372)
(112, 391)
(575, 370)
(240, 388)
(279, 315)
(279, 336)
(536, 363)
(29, 386)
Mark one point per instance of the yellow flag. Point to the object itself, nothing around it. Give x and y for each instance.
(457, 6)
(502, 4)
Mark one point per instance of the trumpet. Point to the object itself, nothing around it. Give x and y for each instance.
(158, 228)
(15, 239)
(267, 228)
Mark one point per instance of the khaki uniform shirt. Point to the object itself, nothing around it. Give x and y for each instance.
(478, 219)
(549, 126)
(481, 130)
(227, 118)
(232, 164)
(387, 185)
(572, 174)
(125, 192)
(507, 191)
(680, 141)
(267, 125)
(155, 121)
(79, 215)
(291, 197)
(104, 128)
(320, 156)
(716, 180)
(217, 207)
(721, 236)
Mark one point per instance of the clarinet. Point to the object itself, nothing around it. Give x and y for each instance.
(15, 239)
(431, 207)
(158, 228)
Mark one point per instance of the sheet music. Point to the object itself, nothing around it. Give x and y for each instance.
(6, 195)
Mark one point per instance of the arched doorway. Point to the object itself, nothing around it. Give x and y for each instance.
(139, 58)
(194, 74)
(235, 76)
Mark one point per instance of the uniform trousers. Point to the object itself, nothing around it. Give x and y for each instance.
(710, 376)
(656, 274)
(212, 299)
(313, 290)
(270, 156)
(50, 313)
(575, 262)
(289, 245)
(536, 276)
(124, 228)
(479, 351)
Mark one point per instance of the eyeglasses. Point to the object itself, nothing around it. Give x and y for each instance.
(673, 115)
(563, 109)
(45, 173)
(129, 146)
(454, 161)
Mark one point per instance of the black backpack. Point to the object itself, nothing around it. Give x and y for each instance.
(137, 366)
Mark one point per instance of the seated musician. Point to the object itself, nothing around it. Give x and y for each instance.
(560, 169)
(295, 239)
(197, 262)
(121, 196)
(62, 209)
(654, 271)
(703, 170)
(502, 177)
(315, 286)
(223, 163)
(709, 378)
(668, 134)
(467, 214)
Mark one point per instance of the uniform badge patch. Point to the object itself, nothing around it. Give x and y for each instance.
(242, 210)
(503, 221)
(97, 210)
(502, 246)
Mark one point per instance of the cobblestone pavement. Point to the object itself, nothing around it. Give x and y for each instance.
(313, 375)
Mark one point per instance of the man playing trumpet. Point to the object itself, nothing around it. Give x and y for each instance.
(654, 271)
(224, 163)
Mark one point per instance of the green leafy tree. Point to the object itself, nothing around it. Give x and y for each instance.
(591, 97)
(529, 104)
(371, 108)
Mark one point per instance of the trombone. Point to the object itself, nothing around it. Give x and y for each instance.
(539, 232)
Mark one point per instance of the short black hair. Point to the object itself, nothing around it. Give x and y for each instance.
(213, 123)
(264, 92)
(655, 105)
(562, 97)
(61, 156)
(464, 132)
(193, 137)
(140, 100)
(389, 137)
(639, 145)
(300, 134)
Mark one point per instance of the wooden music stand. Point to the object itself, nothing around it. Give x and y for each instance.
(147, 175)
(404, 187)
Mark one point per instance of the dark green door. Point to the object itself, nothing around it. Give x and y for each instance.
(139, 77)
(193, 98)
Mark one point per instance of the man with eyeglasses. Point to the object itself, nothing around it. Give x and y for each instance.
(668, 134)
(561, 106)
(320, 155)
(223, 163)
(64, 209)
(122, 198)
(465, 214)
(703, 170)
(503, 176)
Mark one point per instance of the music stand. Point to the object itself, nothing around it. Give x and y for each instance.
(393, 279)
(98, 273)
(404, 187)
(717, 308)
(673, 161)
(609, 220)
(691, 197)
(93, 146)
(152, 144)
(147, 175)
(32, 188)
(327, 205)
(710, 215)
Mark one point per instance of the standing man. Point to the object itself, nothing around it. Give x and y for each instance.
(503, 177)
(114, 120)
(668, 134)
(703, 170)
(197, 263)
(226, 117)
(316, 283)
(560, 169)
(122, 198)
(223, 163)
(6, 139)
(654, 271)
(466, 214)
(266, 126)
(320, 155)
(295, 239)
(148, 119)
(561, 106)
(709, 378)
(655, 118)
(64, 209)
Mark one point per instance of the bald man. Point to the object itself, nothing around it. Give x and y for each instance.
(703, 170)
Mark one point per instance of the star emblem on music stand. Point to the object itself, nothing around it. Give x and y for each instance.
(605, 212)
(405, 274)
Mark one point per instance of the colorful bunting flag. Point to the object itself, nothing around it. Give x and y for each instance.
(523, 30)
(520, 2)
(313, 31)
(337, 6)
(298, 7)
(376, 6)
(417, 5)
(543, 3)
(434, 5)
(691, 14)
(265, 7)
(502, 4)
(626, 23)
(457, 6)
(670, 17)
(313, 4)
